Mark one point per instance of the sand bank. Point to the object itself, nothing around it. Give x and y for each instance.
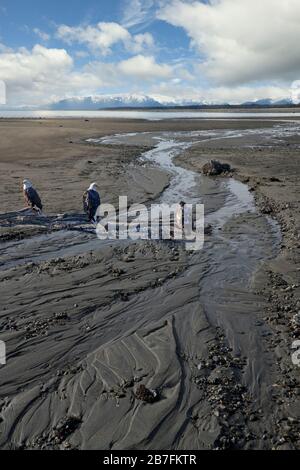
(86, 323)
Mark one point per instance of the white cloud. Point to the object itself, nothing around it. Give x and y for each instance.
(137, 12)
(41, 34)
(4, 48)
(220, 94)
(242, 94)
(141, 42)
(144, 67)
(41, 75)
(36, 76)
(242, 40)
(102, 37)
(38, 63)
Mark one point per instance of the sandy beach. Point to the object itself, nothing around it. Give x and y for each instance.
(86, 322)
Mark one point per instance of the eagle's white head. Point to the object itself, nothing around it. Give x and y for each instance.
(93, 187)
(27, 184)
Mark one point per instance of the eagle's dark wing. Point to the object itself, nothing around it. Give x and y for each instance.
(85, 201)
(33, 199)
(91, 202)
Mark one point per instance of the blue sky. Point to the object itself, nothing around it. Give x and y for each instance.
(21, 17)
(218, 50)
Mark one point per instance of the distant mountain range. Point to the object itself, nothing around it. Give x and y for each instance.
(269, 102)
(140, 101)
(105, 102)
(145, 101)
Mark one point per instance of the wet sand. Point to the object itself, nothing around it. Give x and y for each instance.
(85, 323)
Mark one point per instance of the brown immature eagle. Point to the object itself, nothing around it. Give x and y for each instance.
(31, 196)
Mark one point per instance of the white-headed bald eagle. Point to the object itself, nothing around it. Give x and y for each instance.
(91, 202)
(31, 196)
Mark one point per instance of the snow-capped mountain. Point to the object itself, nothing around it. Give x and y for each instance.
(105, 102)
(147, 101)
(121, 101)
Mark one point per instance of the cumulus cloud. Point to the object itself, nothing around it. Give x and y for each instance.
(244, 57)
(241, 94)
(41, 75)
(241, 41)
(220, 94)
(141, 42)
(36, 76)
(144, 67)
(102, 37)
(38, 63)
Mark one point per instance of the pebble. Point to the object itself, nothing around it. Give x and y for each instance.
(296, 319)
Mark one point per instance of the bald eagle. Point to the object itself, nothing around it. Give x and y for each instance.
(31, 196)
(91, 202)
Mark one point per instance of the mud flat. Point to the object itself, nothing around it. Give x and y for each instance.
(86, 322)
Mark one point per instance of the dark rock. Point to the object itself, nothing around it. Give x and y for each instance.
(64, 429)
(144, 394)
(215, 168)
(208, 229)
(273, 179)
